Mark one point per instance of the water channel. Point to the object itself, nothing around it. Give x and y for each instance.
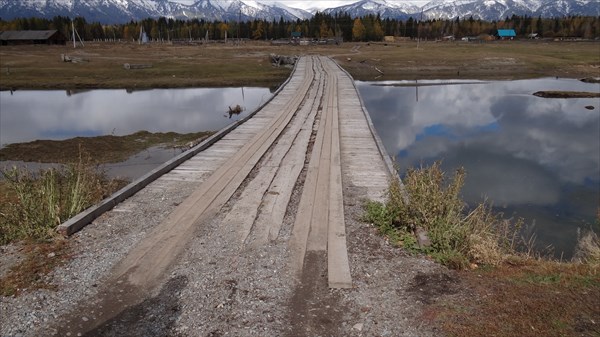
(531, 157)
(29, 115)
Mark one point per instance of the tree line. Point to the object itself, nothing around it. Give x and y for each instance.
(320, 26)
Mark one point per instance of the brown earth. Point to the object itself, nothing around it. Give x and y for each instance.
(566, 94)
(104, 149)
(218, 65)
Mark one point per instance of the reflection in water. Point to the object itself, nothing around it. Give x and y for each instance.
(532, 157)
(131, 169)
(30, 115)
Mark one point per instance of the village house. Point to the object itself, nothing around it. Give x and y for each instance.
(20, 37)
(506, 34)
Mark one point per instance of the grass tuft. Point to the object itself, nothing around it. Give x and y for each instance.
(587, 249)
(459, 236)
(525, 293)
(40, 201)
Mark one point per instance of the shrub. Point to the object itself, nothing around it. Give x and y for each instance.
(459, 236)
(44, 199)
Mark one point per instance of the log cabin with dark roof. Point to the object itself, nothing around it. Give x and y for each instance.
(22, 37)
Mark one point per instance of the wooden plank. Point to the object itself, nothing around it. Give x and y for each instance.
(278, 196)
(338, 265)
(242, 215)
(148, 260)
(317, 240)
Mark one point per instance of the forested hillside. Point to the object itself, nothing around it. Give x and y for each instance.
(367, 28)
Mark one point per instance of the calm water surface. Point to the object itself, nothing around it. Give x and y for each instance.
(536, 158)
(31, 115)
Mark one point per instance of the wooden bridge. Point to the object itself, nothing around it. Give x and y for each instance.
(289, 163)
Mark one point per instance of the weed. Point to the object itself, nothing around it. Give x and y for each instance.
(458, 236)
(587, 249)
(43, 200)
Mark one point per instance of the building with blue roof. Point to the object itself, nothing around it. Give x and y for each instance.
(506, 34)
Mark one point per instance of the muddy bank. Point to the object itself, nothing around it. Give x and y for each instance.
(103, 149)
(566, 94)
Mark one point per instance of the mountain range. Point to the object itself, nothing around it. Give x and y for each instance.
(119, 11)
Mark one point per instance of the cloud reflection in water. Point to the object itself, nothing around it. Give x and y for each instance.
(30, 115)
(524, 153)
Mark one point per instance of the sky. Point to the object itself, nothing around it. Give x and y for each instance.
(319, 4)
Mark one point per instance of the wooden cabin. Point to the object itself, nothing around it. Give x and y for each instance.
(22, 37)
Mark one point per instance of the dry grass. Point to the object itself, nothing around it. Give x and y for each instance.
(39, 260)
(492, 60)
(587, 249)
(39, 201)
(524, 298)
(459, 237)
(508, 293)
(219, 65)
(40, 67)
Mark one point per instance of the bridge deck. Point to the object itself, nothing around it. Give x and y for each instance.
(289, 163)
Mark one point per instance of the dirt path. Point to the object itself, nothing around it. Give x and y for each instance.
(268, 242)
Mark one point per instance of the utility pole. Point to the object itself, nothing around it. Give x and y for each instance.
(74, 33)
(419, 27)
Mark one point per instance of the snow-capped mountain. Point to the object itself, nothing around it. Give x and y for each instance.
(487, 10)
(92, 10)
(499, 9)
(387, 9)
(232, 10)
(118, 11)
(479, 9)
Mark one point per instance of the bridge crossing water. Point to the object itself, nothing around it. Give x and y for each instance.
(277, 179)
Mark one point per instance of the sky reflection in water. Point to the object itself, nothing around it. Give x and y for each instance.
(538, 158)
(31, 115)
